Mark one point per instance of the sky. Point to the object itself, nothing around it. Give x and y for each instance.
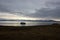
(30, 9)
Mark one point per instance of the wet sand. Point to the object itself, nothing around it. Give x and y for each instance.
(47, 32)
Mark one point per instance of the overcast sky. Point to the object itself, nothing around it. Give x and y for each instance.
(33, 9)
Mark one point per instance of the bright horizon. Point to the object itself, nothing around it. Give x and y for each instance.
(12, 16)
(15, 17)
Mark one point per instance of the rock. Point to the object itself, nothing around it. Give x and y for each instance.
(23, 23)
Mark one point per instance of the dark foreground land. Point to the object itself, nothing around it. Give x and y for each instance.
(47, 32)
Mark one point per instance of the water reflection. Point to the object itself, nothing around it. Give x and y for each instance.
(25, 23)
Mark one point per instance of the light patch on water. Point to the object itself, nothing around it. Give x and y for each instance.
(17, 23)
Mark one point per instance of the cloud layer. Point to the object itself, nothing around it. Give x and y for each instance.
(49, 9)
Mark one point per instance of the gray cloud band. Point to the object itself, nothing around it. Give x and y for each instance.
(46, 13)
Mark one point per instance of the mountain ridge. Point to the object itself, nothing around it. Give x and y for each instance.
(2, 19)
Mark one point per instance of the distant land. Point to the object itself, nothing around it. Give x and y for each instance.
(1, 19)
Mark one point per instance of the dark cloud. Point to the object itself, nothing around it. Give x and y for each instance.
(19, 5)
(53, 3)
(52, 11)
(3, 8)
(47, 13)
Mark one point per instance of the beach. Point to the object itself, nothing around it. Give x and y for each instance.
(47, 32)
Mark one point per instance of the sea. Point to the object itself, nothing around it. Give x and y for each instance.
(27, 23)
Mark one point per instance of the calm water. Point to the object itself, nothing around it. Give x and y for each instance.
(28, 23)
